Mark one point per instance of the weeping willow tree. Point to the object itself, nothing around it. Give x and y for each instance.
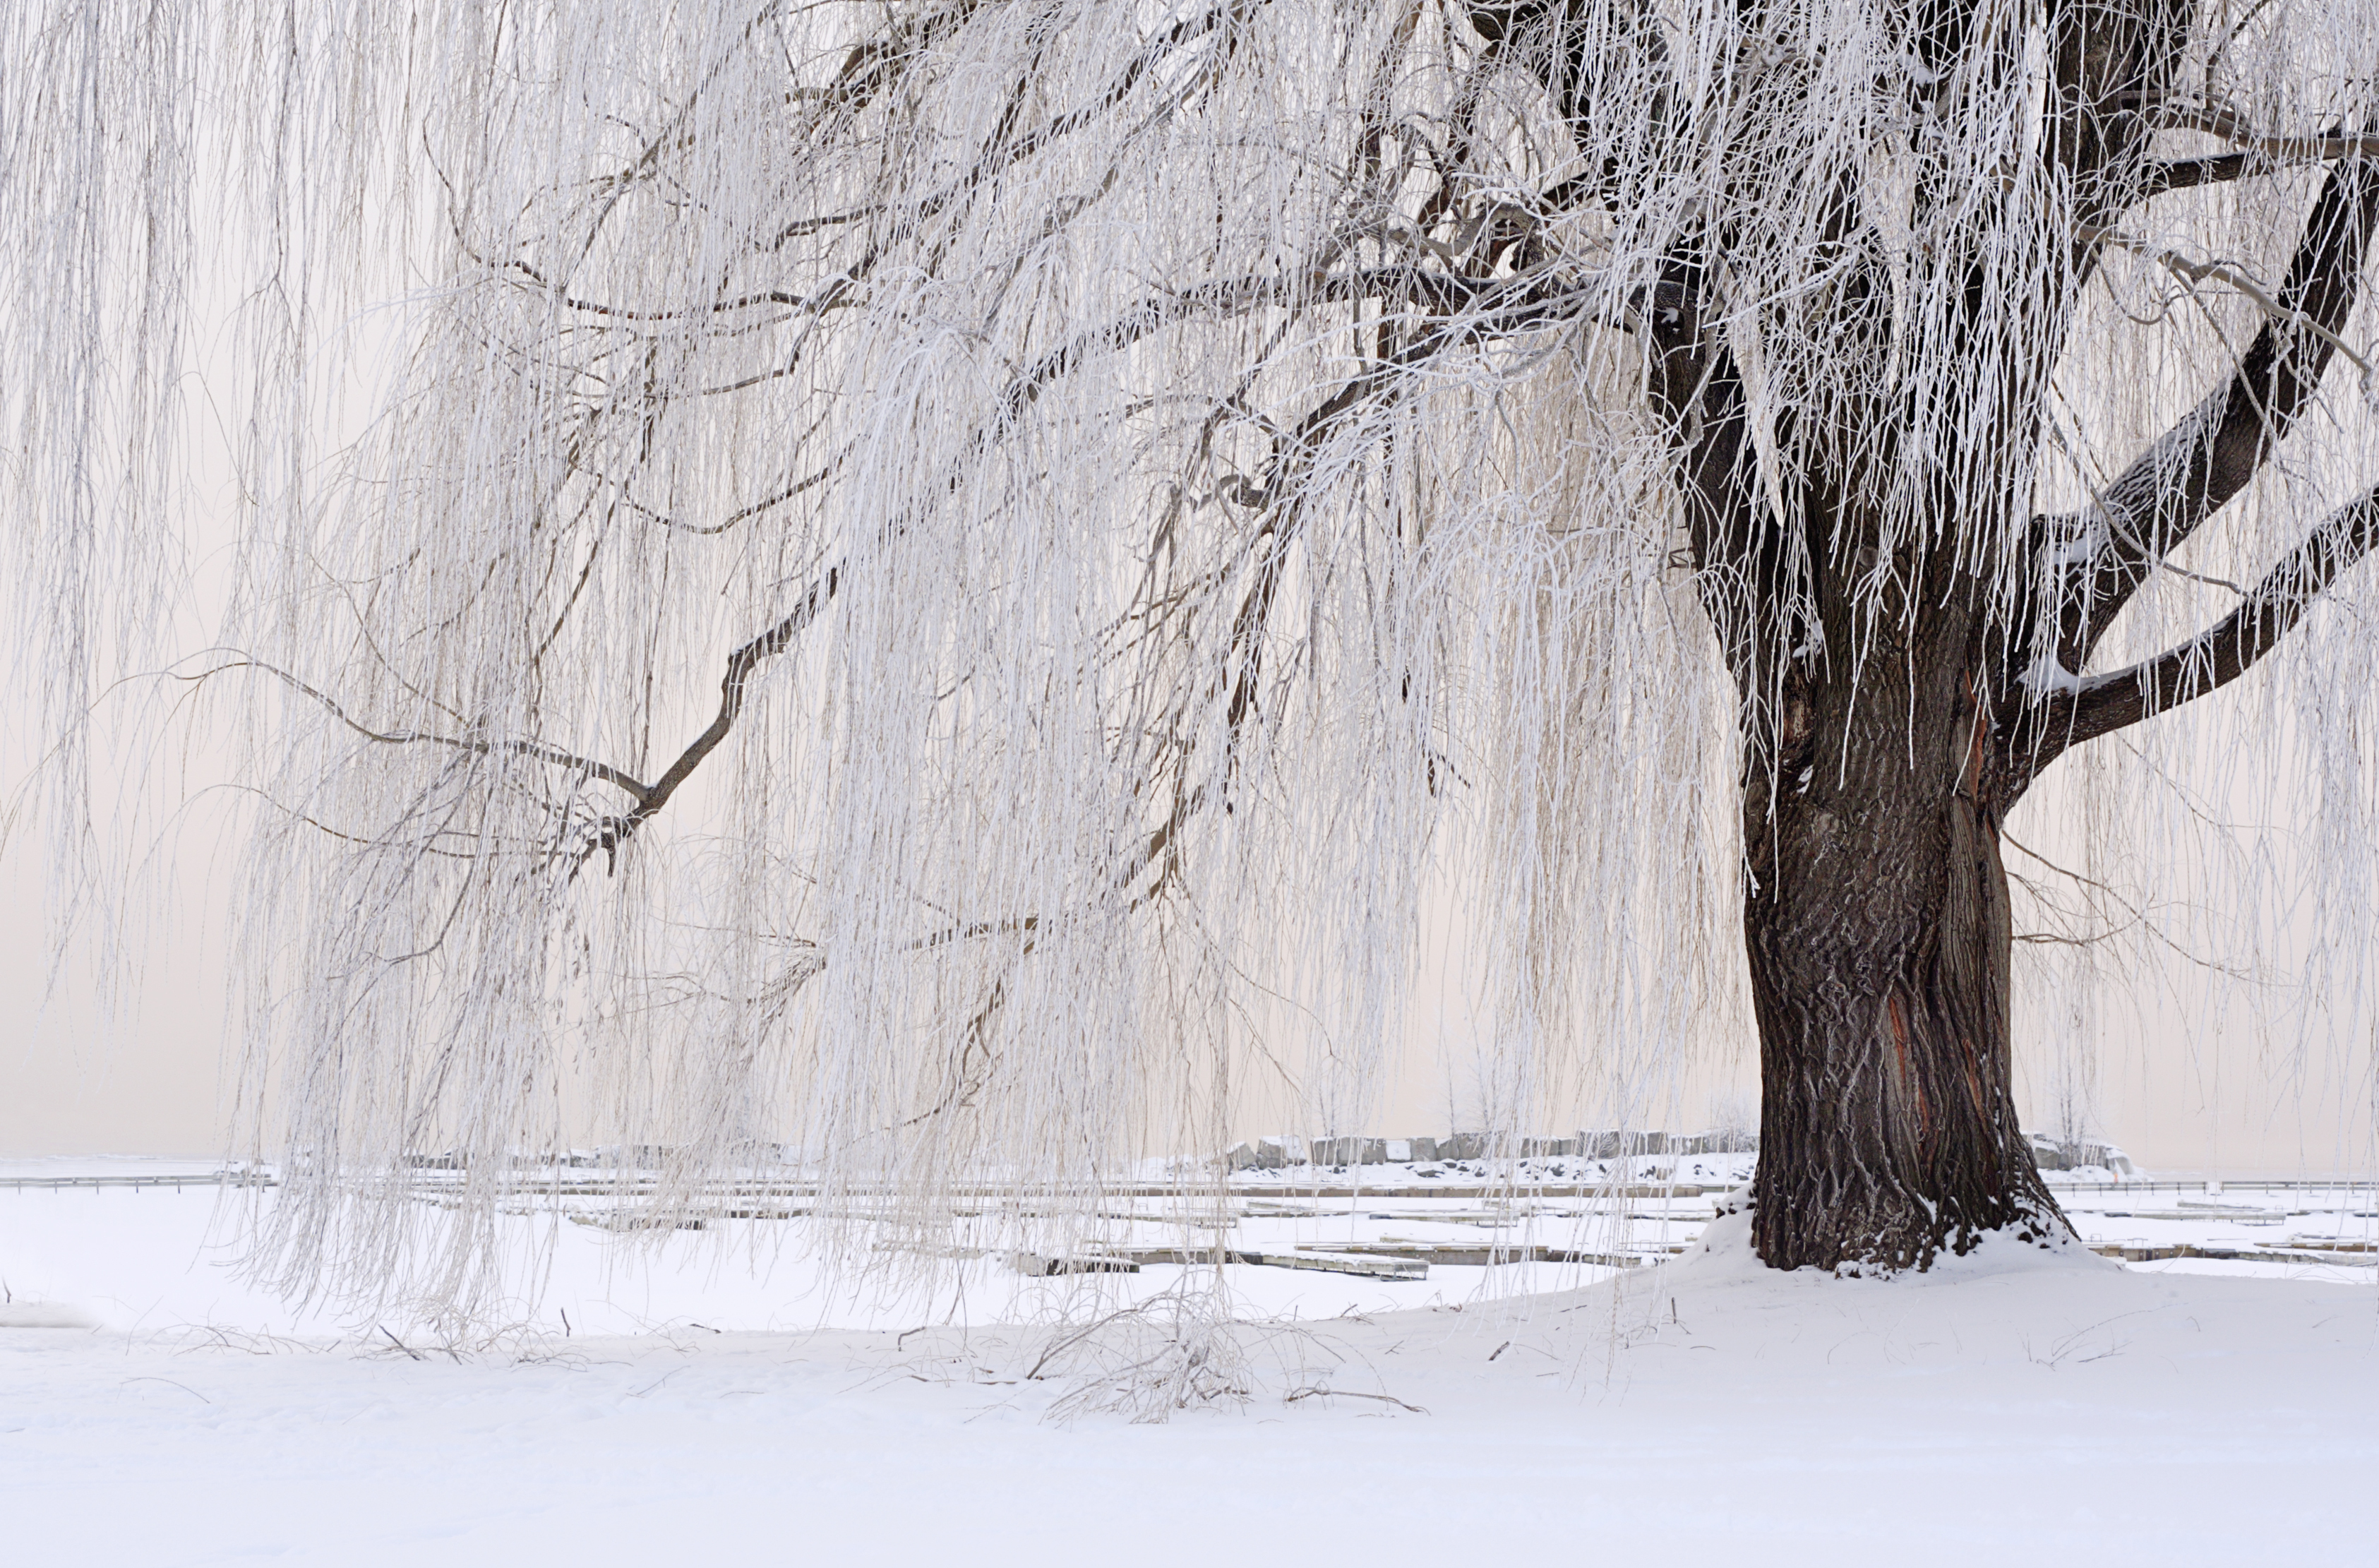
(944, 583)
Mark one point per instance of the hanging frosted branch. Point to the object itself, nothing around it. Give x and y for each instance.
(946, 591)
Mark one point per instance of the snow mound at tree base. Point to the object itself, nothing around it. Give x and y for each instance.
(1725, 1245)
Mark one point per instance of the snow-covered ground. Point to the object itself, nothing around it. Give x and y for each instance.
(2014, 1402)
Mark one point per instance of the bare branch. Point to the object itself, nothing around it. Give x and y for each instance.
(2197, 271)
(535, 750)
(1457, 306)
(741, 514)
(2218, 655)
(807, 304)
(1009, 152)
(2194, 469)
(2232, 127)
(616, 831)
(2184, 173)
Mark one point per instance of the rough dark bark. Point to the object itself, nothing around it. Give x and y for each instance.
(1876, 920)
(1875, 778)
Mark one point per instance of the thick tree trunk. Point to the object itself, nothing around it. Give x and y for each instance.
(1854, 576)
(1878, 927)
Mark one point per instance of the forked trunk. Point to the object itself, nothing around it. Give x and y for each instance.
(1876, 921)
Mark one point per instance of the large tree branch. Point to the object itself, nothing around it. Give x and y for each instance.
(2195, 468)
(1697, 391)
(613, 830)
(1744, 575)
(617, 830)
(2232, 127)
(2184, 173)
(2218, 655)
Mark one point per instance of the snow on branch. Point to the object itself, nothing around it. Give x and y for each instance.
(1250, 497)
(2168, 491)
(2098, 705)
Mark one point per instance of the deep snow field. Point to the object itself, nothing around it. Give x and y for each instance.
(153, 1410)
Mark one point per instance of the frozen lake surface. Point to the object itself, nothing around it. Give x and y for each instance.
(155, 1411)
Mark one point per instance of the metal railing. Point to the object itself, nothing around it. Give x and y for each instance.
(202, 1178)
